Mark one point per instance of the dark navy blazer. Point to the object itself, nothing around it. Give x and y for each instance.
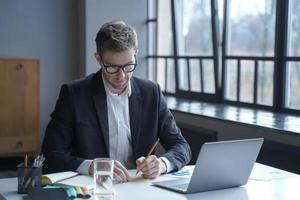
(78, 129)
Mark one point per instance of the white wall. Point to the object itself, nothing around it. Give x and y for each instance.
(45, 30)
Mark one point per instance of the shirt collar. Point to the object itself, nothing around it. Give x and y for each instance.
(127, 91)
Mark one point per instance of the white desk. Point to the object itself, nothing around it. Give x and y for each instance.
(265, 183)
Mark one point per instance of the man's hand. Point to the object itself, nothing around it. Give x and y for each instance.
(121, 174)
(151, 167)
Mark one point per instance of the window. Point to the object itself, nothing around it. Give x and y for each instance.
(160, 42)
(292, 96)
(184, 53)
(230, 51)
(249, 51)
(192, 17)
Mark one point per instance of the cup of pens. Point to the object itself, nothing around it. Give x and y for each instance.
(29, 176)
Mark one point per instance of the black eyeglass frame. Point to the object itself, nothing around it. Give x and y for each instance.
(120, 66)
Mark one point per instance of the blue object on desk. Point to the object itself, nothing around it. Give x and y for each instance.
(182, 172)
(71, 192)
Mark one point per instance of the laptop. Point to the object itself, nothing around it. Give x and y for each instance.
(219, 165)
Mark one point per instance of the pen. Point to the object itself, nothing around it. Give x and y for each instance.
(150, 151)
(26, 172)
(26, 161)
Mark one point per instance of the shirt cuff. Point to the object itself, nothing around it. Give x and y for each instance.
(170, 166)
(84, 167)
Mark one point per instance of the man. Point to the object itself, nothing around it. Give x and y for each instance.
(113, 114)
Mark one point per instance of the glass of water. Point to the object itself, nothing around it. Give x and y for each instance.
(103, 176)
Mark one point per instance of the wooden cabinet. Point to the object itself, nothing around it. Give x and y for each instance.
(19, 107)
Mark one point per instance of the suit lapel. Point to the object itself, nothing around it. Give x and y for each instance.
(99, 97)
(135, 111)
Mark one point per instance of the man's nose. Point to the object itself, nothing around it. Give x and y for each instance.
(121, 73)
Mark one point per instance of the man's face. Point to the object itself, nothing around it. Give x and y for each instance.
(117, 82)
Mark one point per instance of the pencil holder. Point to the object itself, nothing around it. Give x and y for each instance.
(28, 177)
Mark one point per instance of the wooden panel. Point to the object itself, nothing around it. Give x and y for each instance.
(19, 105)
(18, 144)
(12, 101)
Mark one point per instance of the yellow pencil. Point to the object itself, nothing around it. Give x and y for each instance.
(150, 151)
(26, 161)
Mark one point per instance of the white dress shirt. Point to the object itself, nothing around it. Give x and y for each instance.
(120, 144)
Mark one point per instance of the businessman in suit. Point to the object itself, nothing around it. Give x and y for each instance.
(113, 114)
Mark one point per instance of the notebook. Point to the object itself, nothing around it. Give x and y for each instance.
(68, 178)
(219, 165)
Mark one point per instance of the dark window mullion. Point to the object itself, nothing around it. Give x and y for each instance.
(215, 39)
(263, 58)
(224, 48)
(201, 75)
(188, 73)
(280, 53)
(293, 59)
(175, 45)
(238, 86)
(255, 80)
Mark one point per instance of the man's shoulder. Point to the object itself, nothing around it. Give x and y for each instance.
(80, 87)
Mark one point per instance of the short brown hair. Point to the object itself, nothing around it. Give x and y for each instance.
(116, 36)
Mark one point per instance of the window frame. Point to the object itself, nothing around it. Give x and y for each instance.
(180, 92)
(280, 60)
(238, 58)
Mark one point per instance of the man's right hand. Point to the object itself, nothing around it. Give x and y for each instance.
(121, 174)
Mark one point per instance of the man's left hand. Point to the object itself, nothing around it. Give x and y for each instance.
(151, 167)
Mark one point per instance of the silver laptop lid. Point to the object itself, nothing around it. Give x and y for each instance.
(224, 164)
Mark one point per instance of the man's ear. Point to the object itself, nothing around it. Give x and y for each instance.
(98, 58)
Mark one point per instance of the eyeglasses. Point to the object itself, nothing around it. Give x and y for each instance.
(112, 69)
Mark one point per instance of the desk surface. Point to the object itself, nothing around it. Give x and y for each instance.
(265, 183)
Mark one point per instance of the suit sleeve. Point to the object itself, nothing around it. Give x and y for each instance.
(177, 149)
(59, 135)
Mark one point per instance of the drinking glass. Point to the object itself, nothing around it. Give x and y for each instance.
(103, 176)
